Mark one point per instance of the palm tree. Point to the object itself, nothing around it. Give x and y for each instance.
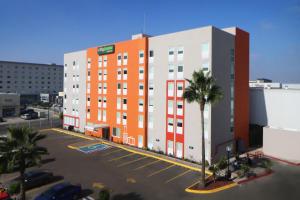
(20, 151)
(202, 89)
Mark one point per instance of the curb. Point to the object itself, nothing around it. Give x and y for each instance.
(210, 191)
(256, 177)
(281, 160)
(129, 150)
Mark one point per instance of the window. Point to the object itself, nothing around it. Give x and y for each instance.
(180, 54)
(141, 57)
(116, 132)
(88, 88)
(179, 151)
(205, 66)
(88, 101)
(105, 74)
(118, 103)
(141, 121)
(89, 63)
(118, 88)
(171, 89)
(124, 88)
(124, 104)
(171, 72)
(118, 118)
(171, 55)
(105, 61)
(179, 89)
(99, 115)
(150, 121)
(180, 72)
(104, 115)
(151, 89)
(119, 74)
(151, 105)
(151, 56)
(141, 89)
(124, 119)
(100, 74)
(100, 61)
(119, 58)
(205, 51)
(99, 102)
(89, 75)
(170, 125)
(179, 110)
(179, 126)
(125, 74)
(151, 72)
(141, 73)
(104, 102)
(170, 107)
(141, 105)
(88, 114)
(125, 58)
(99, 88)
(170, 147)
(104, 88)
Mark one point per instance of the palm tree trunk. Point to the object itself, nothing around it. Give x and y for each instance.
(202, 104)
(22, 185)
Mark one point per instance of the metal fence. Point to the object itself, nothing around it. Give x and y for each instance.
(35, 125)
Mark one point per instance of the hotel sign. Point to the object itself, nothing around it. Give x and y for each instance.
(106, 49)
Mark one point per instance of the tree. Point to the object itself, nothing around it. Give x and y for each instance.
(214, 169)
(20, 151)
(202, 89)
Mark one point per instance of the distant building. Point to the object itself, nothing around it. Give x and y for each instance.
(277, 111)
(30, 79)
(9, 104)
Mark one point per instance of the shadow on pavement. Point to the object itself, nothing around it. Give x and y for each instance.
(129, 196)
(48, 160)
(86, 192)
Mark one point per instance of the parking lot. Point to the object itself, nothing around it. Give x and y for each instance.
(133, 176)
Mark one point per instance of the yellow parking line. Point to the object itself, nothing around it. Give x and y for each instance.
(71, 133)
(161, 170)
(132, 161)
(118, 158)
(72, 147)
(112, 152)
(179, 175)
(148, 164)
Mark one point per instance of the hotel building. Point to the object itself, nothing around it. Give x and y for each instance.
(134, 91)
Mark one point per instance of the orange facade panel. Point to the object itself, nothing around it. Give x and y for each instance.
(117, 91)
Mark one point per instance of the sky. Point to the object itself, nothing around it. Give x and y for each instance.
(42, 31)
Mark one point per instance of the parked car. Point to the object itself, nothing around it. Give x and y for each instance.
(32, 115)
(25, 111)
(61, 191)
(36, 178)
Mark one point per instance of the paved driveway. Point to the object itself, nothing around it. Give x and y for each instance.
(136, 177)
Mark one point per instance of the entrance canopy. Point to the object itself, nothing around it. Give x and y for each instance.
(95, 127)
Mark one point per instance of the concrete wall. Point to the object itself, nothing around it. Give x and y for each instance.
(79, 71)
(9, 101)
(282, 144)
(277, 108)
(30, 78)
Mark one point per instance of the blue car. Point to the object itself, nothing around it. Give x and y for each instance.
(61, 191)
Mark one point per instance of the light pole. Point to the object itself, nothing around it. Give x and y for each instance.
(228, 149)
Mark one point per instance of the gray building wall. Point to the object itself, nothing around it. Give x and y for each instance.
(220, 43)
(75, 86)
(9, 101)
(30, 78)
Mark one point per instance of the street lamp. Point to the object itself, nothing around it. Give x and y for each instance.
(228, 149)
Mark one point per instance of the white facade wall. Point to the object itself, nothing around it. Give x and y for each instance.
(277, 108)
(30, 78)
(75, 90)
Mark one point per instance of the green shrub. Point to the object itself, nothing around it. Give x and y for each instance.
(267, 164)
(222, 163)
(244, 169)
(104, 194)
(14, 188)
